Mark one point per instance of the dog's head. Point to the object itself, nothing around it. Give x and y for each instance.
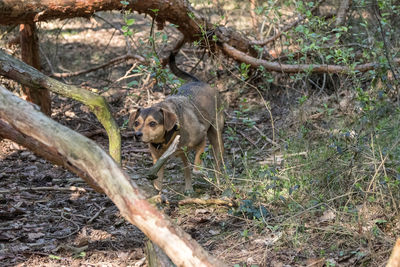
(151, 124)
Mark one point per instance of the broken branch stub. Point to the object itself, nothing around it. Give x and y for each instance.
(152, 174)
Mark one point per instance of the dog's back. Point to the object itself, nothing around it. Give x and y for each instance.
(201, 95)
(207, 106)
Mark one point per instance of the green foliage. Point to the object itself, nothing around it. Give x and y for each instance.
(249, 209)
(54, 257)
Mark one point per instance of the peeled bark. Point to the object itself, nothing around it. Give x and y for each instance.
(86, 156)
(14, 69)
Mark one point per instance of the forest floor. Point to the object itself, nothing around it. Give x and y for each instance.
(50, 217)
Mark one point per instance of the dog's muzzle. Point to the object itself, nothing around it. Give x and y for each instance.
(138, 136)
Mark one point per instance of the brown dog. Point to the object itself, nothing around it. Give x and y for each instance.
(193, 113)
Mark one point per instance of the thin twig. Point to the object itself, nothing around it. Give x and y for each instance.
(111, 62)
(377, 15)
(265, 137)
(96, 215)
(9, 29)
(73, 232)
(285, 29)
(128, 44)
(45, 188)
(211, 201)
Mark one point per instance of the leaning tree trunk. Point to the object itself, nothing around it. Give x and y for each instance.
(86, 156)
(30, 55)
(14, 69)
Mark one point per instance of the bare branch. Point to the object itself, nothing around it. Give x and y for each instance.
(287, 68)
(152, 174)
(114, 61)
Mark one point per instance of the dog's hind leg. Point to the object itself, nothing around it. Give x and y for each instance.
(197, 158)
(215, 138)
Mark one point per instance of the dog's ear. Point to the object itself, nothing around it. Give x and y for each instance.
(170, 119)
(132, 117)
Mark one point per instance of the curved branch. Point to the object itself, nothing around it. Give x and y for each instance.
(14, 69)
(287, 68)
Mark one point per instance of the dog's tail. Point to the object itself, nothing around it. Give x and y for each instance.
(178, 72)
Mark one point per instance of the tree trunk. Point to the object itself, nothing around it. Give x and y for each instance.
(84, 155)
(14, 69)
(30, 55)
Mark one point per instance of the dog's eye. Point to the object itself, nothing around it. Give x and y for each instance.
(136, 123)
(152, 124)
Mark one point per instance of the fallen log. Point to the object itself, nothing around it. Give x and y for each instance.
(192, 25)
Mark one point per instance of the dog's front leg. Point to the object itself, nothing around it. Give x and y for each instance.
(198, 163)
(188, 174)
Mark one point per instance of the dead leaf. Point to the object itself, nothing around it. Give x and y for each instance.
(214, 232)
(70, 114)
(201, 211)
(6, 236)
(327, 216)
(34, 236)
(269, 240)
